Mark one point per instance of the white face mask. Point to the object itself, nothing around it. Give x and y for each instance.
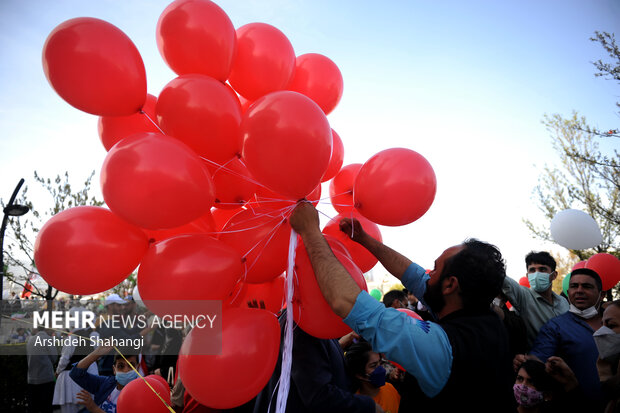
(607, 341)
(586, 314)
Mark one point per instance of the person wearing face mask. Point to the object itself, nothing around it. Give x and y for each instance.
(569, 335)
(548, 388)
(538, 304)
(106, 389)
(369, 376)
(607, 339)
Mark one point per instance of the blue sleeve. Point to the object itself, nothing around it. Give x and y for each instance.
(414, 279)
(421, 347)
(546, 343)
(87, 381)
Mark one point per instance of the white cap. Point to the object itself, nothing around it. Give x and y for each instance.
(114, 299)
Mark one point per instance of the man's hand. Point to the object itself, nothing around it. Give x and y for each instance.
(557, 368)
(347, 340)
(102, 350)
(85, 399)
(304, 218)
(517, 361)
(353, 228)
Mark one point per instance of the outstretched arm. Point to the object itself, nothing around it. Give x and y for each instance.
(336, 284)
(393, 261)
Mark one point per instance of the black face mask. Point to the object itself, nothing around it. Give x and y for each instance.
(434, 298)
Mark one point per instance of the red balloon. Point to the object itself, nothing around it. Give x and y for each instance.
(201, 112)
(395, 187)
(360, 255)
(264, 63)
(341, 188)
(159, 379)
(286, 143)
(156, 182)
(266, 198)
(335, 161)
(269, 294)
(580, 264)
(114, 128)
(87, 250)
(310, 310)
(245, 103)
(524, 282)
(411, 314)
(318, 77)
(197, 36)
(189, 267)
(261, 236)
(234, 186)
(607, 267)
(221, 216)
(203, 225)
(138, 396)
(95, 67)
(250, 348)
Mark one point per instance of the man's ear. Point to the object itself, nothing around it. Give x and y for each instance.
(553, 276)
(450, 285)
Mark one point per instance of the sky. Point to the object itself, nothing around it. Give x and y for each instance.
(465, 84)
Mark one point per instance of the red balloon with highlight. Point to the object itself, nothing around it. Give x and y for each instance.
(95, 67)
(87, 250)
(318, 77)
(197, 36)
(287, 143)
(264, 63)
(250, 348)
(156, 182)
(203, 113)
(395, 187)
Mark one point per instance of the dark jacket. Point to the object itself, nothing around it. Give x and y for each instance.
(318, 379)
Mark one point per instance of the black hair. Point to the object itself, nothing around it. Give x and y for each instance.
(591, 273)
(127, 356)
(541, 380)
(355, 360)
(480, 269)
(540, 257)
(392, 296)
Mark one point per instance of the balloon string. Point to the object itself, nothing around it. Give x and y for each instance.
(115, 348)
(250, 221)
(230, 171)
(287, 350)
(152, 121)
(223, 166)
(270, 236)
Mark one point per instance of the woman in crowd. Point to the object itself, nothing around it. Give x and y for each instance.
(369, 376)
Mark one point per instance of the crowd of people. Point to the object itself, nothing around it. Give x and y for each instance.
(465, 350)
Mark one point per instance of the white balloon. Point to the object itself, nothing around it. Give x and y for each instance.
(575, 230)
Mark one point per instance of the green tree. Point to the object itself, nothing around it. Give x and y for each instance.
(586, 178)
(20, 245)
(580, 183)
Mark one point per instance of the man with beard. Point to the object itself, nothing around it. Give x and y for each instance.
(464, 358)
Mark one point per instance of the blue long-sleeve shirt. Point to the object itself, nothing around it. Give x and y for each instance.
(421, 347)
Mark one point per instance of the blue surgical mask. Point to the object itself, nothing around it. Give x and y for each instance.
(539, 281)
(377, 377)
(124, 378)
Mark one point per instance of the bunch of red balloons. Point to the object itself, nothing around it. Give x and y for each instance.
(200, 180)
